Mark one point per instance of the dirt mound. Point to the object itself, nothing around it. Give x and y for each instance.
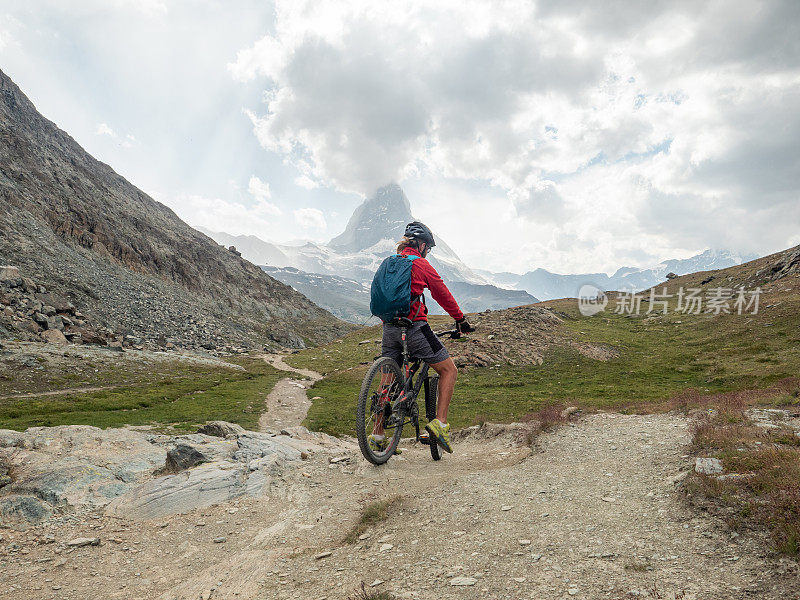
(518, 336)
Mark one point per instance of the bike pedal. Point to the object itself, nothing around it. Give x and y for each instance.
(425, 439)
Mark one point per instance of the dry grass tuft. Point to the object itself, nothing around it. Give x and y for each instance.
(364, 594)
(550, 417)
(761, 483)
(373, 513)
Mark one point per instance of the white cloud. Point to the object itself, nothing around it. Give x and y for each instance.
(310, 218)
(261, 192)
(104, 129)
(589, 120)
(304, 181)
(258, 189)
(218, 214)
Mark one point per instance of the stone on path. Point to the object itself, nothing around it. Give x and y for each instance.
(83, 541)
(463, 581)
(708, 466)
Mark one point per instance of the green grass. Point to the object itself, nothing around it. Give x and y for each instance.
(659, 357)
(178, 397)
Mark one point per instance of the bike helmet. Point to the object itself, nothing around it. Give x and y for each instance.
(419, 231)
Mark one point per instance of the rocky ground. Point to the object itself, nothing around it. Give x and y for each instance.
(593, 510)
(41, 369)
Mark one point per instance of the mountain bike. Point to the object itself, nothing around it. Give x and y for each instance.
(389, 397)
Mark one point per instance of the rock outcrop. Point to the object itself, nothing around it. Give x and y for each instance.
(49, 471)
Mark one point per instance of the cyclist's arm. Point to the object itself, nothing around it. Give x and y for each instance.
(440, 292)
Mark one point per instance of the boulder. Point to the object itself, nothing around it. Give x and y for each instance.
(55, 322)
(221, 429)
(212, 448)
(71, 466)
(25, 508)
(54, 336)
(182, 457)
(8, 273)
(58, 303)
(80, 467)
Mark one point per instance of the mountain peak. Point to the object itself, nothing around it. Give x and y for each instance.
(382, 216)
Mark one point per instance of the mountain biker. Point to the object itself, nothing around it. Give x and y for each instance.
(422, 341)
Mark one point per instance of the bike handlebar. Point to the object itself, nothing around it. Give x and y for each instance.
(453, 333)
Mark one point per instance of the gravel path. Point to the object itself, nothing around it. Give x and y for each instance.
(287, 403)
(593, 513)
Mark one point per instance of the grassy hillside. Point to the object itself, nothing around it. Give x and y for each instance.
(168, 395)
(653, 356)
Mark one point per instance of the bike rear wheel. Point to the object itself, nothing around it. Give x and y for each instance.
(378, 404)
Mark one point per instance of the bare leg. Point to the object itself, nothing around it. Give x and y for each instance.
(447, 382)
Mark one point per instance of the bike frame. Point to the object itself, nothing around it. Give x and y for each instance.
(410, 388)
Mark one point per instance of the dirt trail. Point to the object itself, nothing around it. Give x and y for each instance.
(287, 403)
(591, 512)
(64, 391)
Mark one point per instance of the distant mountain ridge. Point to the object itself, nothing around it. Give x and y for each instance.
(548, 286)
(321, 270)
(72, 224)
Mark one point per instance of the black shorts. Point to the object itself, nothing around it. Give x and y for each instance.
(422, 343)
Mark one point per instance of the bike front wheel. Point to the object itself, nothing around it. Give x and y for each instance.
(379, 408)
(431, 399)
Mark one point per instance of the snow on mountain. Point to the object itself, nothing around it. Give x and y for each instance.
(547, 285)
(324, 272)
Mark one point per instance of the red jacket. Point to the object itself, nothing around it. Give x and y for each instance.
(423, 275)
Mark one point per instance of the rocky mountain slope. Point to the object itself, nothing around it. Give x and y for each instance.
(346, 298)
(73, 225)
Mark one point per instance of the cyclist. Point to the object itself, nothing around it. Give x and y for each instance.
(422, 341)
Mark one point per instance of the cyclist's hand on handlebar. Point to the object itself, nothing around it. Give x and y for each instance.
(463, 326)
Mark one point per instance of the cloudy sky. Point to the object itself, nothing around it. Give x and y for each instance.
(574, 136)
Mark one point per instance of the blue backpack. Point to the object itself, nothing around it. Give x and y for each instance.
(390, 294)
